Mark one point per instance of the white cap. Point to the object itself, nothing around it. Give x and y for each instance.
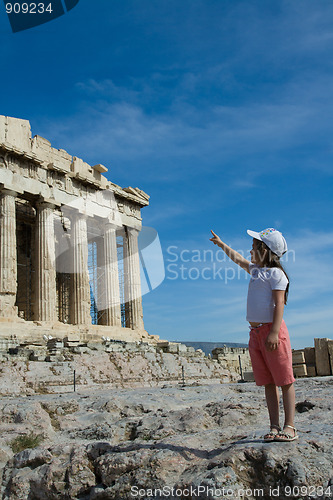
(272, 238)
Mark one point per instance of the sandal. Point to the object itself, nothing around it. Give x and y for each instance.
(271, 435)
(285, 436)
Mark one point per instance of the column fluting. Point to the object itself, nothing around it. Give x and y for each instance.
(133, 279)
(45, 274)
(80, 307)
(113, 312)
(8, 254)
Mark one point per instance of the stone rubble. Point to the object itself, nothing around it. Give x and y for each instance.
(312, 361)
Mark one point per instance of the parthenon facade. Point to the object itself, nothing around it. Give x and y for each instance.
(68, 237)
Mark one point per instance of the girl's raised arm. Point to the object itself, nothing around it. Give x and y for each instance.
(232, 254)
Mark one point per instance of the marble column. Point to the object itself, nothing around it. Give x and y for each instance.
(132, 279)
(113, 313)
(45, 271)
(101, 299)
(80, 303)
(126, 282)
(8, 259)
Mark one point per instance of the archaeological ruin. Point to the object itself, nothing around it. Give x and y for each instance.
(69, 259)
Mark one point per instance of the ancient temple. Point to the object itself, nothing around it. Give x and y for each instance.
(69, 254)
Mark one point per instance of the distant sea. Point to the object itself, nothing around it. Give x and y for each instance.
(207, 347)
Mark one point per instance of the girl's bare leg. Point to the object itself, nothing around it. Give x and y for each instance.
(288, 396)
(272, 400)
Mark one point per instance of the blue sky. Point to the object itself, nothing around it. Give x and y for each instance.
(222, 112)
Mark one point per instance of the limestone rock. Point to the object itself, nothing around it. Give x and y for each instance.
(101, 445)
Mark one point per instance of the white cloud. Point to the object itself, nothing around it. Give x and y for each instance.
(121, 127)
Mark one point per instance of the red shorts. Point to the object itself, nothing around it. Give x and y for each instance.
(271, 367)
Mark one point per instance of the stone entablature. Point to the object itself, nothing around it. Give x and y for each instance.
(62, 224)
(55, 175)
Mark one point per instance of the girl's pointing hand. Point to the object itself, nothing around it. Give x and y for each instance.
(216, 239)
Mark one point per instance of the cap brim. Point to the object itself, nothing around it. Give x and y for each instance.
(254, 234)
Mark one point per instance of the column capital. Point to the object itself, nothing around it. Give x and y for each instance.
(110, 225)
(9, 192)
(133, 231)
(44, 203)
(74, 215)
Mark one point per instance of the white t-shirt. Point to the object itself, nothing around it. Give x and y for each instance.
(260, 303)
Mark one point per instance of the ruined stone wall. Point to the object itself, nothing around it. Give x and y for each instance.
(49, 367)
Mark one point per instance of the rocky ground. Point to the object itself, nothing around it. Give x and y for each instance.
(168, 442)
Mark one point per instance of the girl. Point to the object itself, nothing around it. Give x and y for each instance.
(269, 343)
